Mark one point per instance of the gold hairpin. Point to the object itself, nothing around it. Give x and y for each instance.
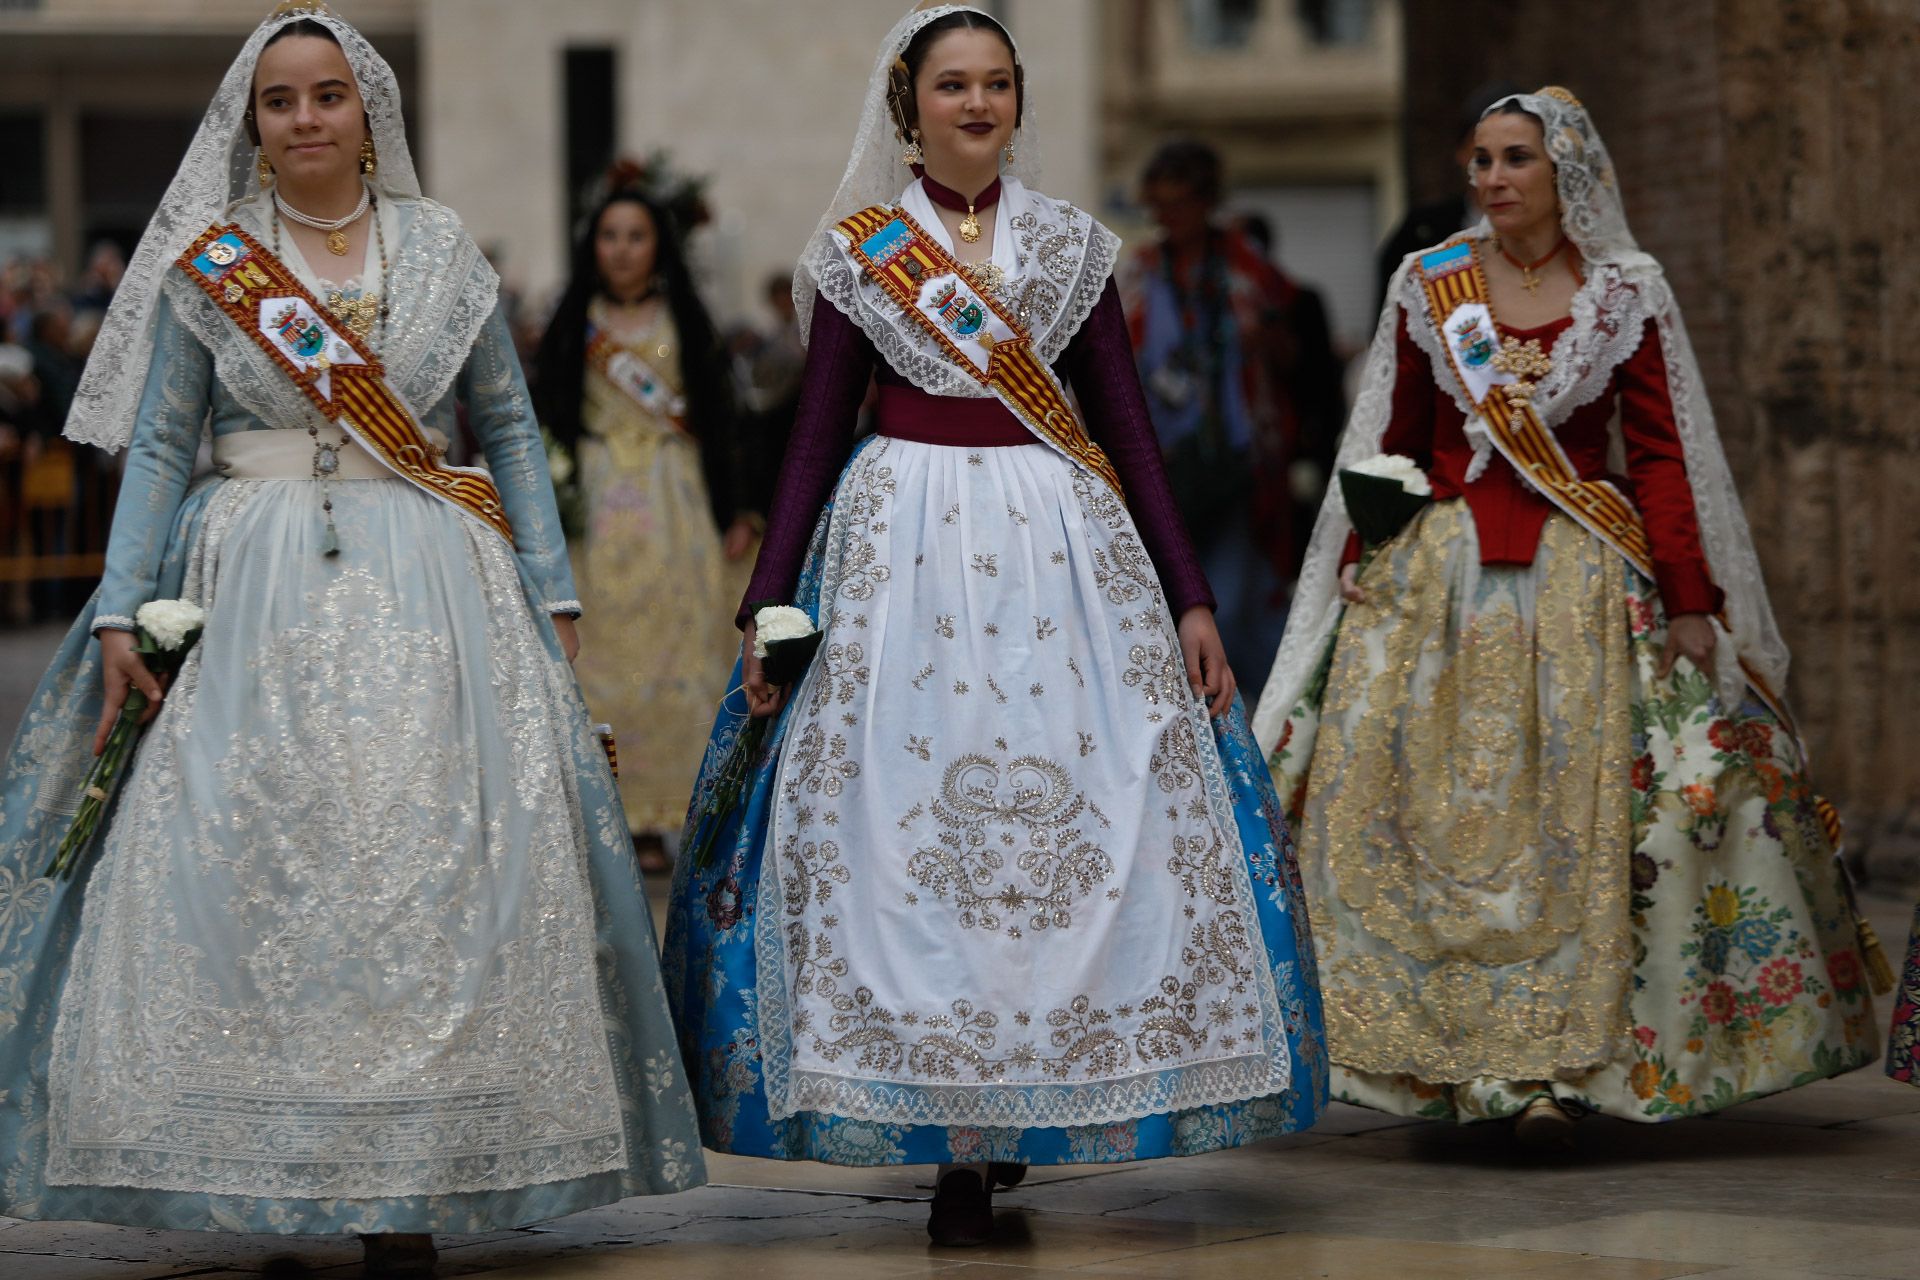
(1556, 92)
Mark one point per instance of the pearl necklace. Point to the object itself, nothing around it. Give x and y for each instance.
(336, 235)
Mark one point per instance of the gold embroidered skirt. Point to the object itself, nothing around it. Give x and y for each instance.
(657, 639)
(1466, 834)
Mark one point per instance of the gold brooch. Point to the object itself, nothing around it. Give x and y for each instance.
(1527, 363)
(987, 276)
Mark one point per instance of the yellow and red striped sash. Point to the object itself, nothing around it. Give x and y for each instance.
(342, 378)
(1452, 277)
(899, 256)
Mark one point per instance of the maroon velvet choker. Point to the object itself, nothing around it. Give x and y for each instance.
(947, 198)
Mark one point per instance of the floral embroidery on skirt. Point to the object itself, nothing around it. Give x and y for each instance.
(1744, 975)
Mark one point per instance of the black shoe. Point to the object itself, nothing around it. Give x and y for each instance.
(962, 1214)
(400, 1257)
(1005, 1177)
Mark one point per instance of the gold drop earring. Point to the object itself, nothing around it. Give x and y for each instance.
(913, 154)
(369, 158)
(263, 168)
(1009, 153)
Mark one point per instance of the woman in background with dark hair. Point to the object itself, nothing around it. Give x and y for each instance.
(633, 385)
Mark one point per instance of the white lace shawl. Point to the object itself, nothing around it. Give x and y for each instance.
(1066, 255)
(440, 291)
(438, 278)
(1624, 289)
(1057, 262)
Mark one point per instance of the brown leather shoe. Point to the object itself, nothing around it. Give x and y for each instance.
(1544, 1125)
(1005, 1176)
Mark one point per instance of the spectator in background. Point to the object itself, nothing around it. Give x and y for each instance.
(50, 345)
(768, 363)
(1427, 225)
(1209, 317)
(1314, 381)
(105, 265)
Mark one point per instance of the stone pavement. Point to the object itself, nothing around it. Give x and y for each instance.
(1812, 1185)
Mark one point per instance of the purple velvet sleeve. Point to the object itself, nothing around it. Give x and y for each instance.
(1099, 364)
(839, 365)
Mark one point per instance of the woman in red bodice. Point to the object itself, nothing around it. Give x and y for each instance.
(1558, 841)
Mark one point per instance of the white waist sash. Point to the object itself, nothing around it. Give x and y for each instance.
(287, 454)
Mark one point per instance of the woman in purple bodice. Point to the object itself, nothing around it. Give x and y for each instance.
(1007, 883)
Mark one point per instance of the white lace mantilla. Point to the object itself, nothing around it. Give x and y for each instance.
(1057, 265)
(440, 291)
(218, 170)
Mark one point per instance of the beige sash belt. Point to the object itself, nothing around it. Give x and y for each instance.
(288, 455)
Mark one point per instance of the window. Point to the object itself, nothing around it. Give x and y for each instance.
(1337, 21)
(1222, 24)
(23, 178)
(592, 123)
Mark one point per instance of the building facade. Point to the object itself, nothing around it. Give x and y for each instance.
(1302, 99)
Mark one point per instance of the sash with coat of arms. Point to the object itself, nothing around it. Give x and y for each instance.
(337, 373)
(970, 327)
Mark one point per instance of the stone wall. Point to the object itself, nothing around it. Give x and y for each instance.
(1766, 151)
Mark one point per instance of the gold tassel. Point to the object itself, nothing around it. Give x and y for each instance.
(1879, 969)
(1872, 954)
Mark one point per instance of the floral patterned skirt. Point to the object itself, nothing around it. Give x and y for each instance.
(999, 890)
(1741, 974)
(650, 552)
(1903, 1048)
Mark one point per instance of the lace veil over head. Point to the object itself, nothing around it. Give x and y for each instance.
(1624, 290)
(217, 171)
(874, 172)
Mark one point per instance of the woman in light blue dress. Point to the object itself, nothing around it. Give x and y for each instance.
(360, 947)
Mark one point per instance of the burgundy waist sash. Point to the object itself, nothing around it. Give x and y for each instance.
(908, 413)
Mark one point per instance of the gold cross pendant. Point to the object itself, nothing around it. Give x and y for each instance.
(1529, 280)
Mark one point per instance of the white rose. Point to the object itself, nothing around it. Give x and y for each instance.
(170, 622)
(1396, 466)
(779, 622)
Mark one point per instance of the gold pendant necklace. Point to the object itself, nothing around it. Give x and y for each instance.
(337, 243)
(970, 226)
(1528, 279)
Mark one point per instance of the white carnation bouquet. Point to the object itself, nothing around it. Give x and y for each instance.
(165, 631)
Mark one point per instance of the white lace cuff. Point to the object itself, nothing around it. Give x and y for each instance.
(113, 622)
(570, 607)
